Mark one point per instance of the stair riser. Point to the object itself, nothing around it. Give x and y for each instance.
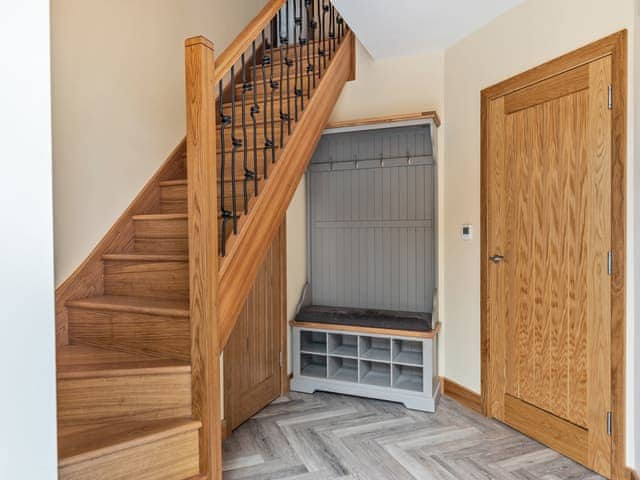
(161, 229)
(172, 458)
(168, 280)
(177, 203)
(168, 246)
(156, 335)
(86, 401)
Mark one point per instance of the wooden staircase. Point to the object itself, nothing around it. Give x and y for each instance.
(142, 321)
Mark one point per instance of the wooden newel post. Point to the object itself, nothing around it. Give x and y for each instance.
(203, 250)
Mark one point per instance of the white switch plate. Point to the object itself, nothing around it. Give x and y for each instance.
(467, 231)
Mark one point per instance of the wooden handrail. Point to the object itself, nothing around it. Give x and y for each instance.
(203, 251)
(243, 41)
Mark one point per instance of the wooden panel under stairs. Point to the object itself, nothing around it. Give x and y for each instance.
(140, 450)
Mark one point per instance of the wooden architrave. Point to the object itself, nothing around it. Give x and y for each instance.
(614, 45)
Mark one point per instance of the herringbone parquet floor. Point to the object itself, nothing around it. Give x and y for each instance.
(325, 436)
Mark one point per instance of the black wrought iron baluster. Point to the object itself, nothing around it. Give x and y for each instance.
(255, 110)
(236, 143)
(325, 33)
(308, 39)
(266, 60)
(332, 32)
(320, 34)
(313, 25)
(225, 214)
(340, 22)
(248, 173)
(288, 63)
(297, 37)
(274, 86)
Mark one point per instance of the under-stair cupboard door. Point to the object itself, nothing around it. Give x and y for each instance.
(372, 220)
(253, 355)
(548, 226)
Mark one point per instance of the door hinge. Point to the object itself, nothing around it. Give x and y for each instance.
(610, 97)
(281, 361)
(610, 262)
(609, 423)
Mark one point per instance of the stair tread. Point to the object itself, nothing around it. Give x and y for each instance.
(145, 257)
(83, 361)
(78, 447)
(161, 216)
(157, 306)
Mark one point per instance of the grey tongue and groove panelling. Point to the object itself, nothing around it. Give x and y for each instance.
(372, 219)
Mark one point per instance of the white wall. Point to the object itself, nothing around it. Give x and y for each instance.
(530, 34)
(118, 103)
(27, 357)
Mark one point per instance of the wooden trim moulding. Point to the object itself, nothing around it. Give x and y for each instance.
(87, 279)
(614, 45)
(406, 117)
(461, 394)
(366, 330)
(246, 251)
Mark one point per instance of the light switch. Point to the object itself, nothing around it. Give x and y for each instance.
(467, 232)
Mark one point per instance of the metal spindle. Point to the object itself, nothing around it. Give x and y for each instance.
(236, 143)
(288, 64)
(332, 32)
(245, 153)
(309, 39)
(274, 86)
(297, 37)
(266, 60)
(224, 213)
(255, 109)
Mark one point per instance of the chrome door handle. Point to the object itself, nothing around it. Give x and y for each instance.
(496, 258)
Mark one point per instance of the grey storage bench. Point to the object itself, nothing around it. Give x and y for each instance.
(365, 353)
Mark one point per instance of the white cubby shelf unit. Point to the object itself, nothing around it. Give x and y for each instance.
(375, 365)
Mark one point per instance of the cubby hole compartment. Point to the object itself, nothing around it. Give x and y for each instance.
(374, 348)
(407, 352)
(343, 369)
(313, 365)
(407, 378)
(343, 345)
(375, 373)
(313, 342)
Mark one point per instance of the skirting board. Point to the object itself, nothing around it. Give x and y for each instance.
(461, 394)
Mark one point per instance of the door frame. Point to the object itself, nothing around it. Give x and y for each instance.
(615, 46)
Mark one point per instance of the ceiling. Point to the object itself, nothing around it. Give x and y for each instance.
(392, 28)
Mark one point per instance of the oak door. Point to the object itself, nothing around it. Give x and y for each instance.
(252, 368)
(549, 237)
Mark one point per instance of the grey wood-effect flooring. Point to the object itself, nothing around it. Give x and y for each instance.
(326, 436)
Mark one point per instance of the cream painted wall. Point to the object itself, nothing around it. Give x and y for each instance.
(532, 33)
(118, 103)
(296, 255)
